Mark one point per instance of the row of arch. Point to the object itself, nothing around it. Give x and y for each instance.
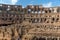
(46, 20)
(44, 10)
(45, 38)
(30, 10)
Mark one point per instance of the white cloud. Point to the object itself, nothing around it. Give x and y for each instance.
(14, 1)
(9, 1)
(48, 4)
(31, 3)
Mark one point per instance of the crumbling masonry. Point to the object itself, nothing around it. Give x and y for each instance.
(33, 22)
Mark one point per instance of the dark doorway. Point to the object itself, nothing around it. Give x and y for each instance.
(42, 39)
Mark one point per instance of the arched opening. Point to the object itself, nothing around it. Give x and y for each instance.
(57, 19)
(45, 11)
(35, 38)
(54, 39)
(42, 38)
(4, 24)
(53, 19)
(51, 38)
(49, 11)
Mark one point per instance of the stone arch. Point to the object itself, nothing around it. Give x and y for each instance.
(49, 11)
(34, 38)
(51, 38)
(41, 38)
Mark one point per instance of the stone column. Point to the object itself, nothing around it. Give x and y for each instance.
(57, 38)
(48, 10)
(55, 10)
(46, 38)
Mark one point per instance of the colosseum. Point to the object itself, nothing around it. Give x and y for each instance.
(34, 22)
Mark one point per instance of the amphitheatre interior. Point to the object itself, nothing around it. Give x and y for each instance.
(34, 22)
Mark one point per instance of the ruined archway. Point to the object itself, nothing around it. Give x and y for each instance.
(34, 38)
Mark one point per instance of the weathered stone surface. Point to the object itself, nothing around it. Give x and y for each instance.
(31, 23)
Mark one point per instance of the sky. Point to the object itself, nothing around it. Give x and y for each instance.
(24, 3)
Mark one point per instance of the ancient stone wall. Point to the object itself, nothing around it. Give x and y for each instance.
(33, 22)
